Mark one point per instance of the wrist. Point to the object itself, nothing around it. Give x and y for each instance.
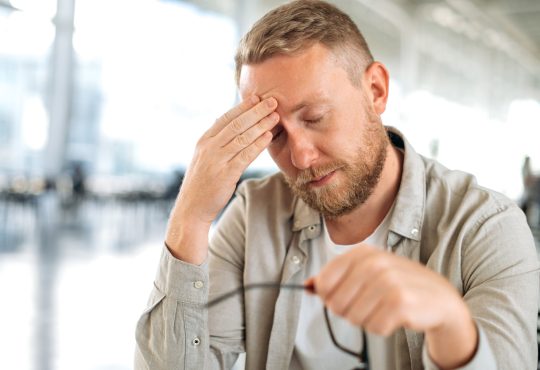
(453, 343)
(187, 239)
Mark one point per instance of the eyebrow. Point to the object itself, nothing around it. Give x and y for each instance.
(305, 103)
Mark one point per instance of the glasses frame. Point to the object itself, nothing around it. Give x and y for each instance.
(361, 356)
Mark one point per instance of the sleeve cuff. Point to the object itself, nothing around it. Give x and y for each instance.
(184, 281)
(483, 359)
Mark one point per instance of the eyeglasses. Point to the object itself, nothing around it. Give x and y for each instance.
(361, 356)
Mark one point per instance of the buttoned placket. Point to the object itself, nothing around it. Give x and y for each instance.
(287, 308)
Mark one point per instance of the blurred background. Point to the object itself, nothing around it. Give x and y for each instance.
(102, 102)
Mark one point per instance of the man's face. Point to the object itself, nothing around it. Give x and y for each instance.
(329, 144)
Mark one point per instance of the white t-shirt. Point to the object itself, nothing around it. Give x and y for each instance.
(313, 346)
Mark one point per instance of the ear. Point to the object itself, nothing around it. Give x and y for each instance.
(376, 80)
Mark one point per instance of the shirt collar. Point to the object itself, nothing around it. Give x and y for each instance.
(408, 215)
(305, 216)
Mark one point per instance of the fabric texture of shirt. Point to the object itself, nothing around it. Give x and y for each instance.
(477, 238)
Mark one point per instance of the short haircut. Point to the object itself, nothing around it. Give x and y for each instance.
(296, 26)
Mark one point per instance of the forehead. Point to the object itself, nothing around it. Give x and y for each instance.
(310, 75)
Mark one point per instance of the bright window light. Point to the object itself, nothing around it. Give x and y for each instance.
(35, 124)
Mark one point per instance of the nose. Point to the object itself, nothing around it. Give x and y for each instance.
(302, 149)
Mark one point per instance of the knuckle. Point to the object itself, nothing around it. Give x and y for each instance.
(241, 140)
(225, 117)
(245, 156)
(236, 125)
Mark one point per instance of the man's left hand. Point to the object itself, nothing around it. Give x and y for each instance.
(382, 292)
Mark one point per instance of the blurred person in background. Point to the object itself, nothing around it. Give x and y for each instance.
(530, 199)
(439, 272)
(78, 178)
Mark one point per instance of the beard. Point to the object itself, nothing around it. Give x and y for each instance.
(361, 175)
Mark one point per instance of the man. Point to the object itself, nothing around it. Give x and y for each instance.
(439, 272)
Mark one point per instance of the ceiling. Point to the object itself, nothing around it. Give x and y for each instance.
(512, 24)
(520, 19)
(515, 22)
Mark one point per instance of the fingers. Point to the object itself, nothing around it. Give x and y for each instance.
(367, 302)
(226, 118)
(246, 138)
(328, 281)
(247, 119)
(345, 293)
(382, 292)
(358, 284)
(244, 158)
(385, 317)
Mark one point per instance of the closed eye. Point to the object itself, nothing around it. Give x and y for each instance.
(314, 120)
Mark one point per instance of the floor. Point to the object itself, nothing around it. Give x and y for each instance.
(74, 279)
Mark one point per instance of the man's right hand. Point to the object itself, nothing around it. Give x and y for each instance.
(221, 156)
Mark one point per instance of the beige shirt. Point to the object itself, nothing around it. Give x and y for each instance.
(478, 239)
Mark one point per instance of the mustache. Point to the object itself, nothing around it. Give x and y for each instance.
(315, 173)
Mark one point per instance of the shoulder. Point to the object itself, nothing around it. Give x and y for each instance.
(453, 190)
(485, 224)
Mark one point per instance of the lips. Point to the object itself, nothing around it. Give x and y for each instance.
(322, 180)
(316, 176)
(322, 177)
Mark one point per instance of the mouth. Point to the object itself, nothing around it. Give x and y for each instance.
(323, 180)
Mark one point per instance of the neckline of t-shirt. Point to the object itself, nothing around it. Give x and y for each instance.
(373, 236)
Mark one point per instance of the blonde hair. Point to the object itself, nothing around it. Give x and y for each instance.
(294, 27)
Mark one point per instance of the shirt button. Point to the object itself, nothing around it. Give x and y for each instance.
(196, 341)
(414, 232)
(312, 228)
(198, 284)
(295, 260)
